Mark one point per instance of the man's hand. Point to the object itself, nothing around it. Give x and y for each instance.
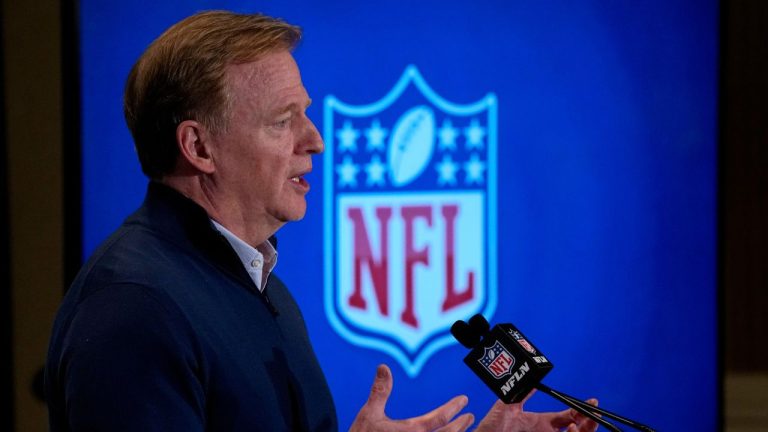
(512, 418)
(372, 418)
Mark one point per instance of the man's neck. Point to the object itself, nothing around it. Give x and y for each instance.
(222, 210)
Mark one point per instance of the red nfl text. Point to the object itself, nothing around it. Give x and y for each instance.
(413, 256)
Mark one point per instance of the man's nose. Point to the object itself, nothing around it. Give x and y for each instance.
(312, 142)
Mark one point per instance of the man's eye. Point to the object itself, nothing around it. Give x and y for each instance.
(281, 124)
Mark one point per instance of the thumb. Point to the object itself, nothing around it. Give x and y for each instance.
(380, 390)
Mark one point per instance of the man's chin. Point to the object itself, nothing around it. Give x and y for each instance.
(293, 215)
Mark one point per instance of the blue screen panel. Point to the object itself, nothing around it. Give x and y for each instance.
(546, 164)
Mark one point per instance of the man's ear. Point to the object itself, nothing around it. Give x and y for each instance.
(194, 144)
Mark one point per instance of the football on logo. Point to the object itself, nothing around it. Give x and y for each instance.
(410, 148)
(409, 218)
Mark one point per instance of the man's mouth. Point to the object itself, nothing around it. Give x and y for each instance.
(300, 182)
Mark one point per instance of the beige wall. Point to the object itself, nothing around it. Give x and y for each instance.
(31, 35)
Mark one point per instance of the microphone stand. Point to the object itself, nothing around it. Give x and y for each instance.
(579, 407)
(590, 410)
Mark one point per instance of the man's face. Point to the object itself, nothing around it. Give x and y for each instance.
(266, 150)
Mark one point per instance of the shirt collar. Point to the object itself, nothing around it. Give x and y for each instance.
(258, 262)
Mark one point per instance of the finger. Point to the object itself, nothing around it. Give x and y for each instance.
(460, 424)
(587, 424)
(528, 396)
(562, 419)
(566, 417)
(513, 408)
(579, 417)
(507, 409)
(441, 415)
(380, 390)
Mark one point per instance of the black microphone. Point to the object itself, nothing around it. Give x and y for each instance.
(511, 367)
(502, 357)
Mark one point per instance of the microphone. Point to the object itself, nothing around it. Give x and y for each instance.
(511, 367)
(506, 362)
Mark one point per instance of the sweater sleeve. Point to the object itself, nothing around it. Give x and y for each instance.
(129, 362)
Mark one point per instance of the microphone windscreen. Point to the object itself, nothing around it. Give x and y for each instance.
(479, 324)
(465, 334)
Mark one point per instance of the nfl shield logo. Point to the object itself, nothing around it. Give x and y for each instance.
(523, 343)
(409, 218)
(497, 360)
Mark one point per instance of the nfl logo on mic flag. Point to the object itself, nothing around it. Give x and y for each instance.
(409, 218)
(497, 360)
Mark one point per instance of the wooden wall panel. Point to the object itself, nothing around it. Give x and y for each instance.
(744, 183)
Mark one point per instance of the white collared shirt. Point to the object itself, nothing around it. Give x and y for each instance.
(258, 261)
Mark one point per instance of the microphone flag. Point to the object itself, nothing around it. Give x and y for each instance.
(507, 363)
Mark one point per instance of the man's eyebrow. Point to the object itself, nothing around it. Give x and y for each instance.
(293, 106)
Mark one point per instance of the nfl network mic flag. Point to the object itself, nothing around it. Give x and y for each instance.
(410, 218)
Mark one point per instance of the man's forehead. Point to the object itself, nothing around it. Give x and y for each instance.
(271, 68)
(271, 83)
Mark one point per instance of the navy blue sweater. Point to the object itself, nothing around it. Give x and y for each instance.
(163, 330)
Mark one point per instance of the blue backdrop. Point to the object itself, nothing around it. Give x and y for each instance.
(606, 156)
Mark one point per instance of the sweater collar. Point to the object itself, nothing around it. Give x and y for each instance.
(184, 222)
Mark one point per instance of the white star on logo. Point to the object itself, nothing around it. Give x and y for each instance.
(475, 134)
(375, 170)
(347, 136)
(446, 171)
(376, 135)
(447, 135)
(474, 169)
(347, 172)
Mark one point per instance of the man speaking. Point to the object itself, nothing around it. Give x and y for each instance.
(177, 322)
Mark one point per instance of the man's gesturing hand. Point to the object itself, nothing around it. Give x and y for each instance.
(372, 417)
(513, 418)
